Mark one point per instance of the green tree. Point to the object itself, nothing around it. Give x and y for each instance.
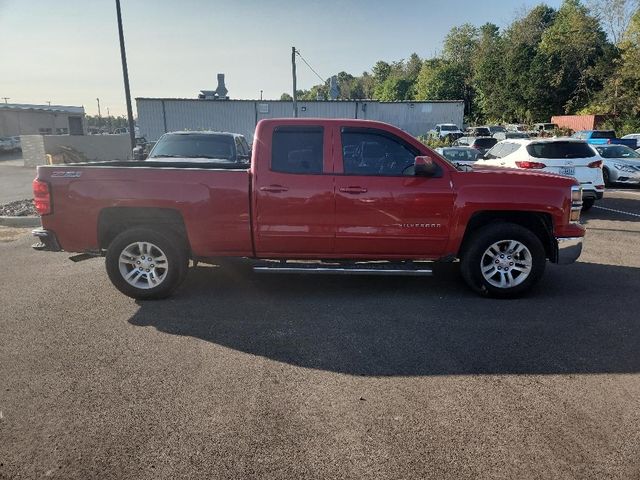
(572, 47)
(620, 96)
(393, 89)
(440, 80)
(489, 75)
(459, 48)
(525, 81)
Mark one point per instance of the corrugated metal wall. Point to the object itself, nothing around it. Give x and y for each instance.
(157, 116)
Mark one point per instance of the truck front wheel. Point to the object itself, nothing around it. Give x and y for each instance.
(503, 260)
(146, 264)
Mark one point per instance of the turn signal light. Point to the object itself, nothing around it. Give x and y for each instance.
(528, 164)
(596, 164)
(41, 197)
(575, 214)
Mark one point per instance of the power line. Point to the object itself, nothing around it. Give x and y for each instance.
(310, 67)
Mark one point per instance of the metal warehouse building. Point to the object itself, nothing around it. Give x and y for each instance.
(25, 119)
(160, 115)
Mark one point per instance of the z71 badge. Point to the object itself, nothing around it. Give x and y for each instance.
(66, 174)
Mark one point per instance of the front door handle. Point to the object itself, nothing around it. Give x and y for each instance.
(274, 189)
(353, 190)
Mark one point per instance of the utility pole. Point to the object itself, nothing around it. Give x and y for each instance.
(125, 74)
(5, 99)
(99, 115)
(293, 73)
(49, 102)
(260, 95)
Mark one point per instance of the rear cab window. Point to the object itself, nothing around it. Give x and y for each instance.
(298, 150)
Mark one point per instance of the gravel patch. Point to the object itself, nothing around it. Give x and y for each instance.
(19, 208)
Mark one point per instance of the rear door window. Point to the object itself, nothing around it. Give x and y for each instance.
(560, 150)
(297, 150)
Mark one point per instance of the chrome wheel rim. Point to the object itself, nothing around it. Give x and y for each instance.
(143, 265)
(506, 264)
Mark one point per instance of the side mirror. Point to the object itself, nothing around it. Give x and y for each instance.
(425, 167)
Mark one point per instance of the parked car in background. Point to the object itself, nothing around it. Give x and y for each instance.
(505, 135)
(6, 144)
(545, 128)
(603, 137)
(562, 156)
(493, 129)
(633, 136)
(483, 144)
(206, 147)
(517, 127)
(621, 164)
(478, 132)
(446, 130)
(17, 143)
(463, 157)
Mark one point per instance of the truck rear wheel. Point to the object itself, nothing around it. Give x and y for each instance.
(503, 260)
(146, 264)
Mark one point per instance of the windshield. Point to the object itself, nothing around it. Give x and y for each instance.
(617, 151)
(497, 128)
(219, 147)
(448, 128)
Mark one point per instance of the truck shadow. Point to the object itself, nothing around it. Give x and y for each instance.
(583, 318)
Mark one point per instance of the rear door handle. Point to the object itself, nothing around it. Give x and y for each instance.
(353, 190)
(274, 189)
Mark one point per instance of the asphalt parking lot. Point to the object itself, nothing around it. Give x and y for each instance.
(15, 179)
(257, 376)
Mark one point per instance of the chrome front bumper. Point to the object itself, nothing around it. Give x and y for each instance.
(569, 249)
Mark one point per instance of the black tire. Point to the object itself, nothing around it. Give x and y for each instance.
(473, 256)
(587, 203)
(165, 243)
(606, 175)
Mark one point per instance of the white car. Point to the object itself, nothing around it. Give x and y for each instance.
(563, 156)
(633, 136)
(443, 130)
(621, 164)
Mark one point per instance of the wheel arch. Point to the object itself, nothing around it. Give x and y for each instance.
(541, 224)
(114, 220)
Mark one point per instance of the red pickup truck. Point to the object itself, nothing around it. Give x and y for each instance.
(320, 196)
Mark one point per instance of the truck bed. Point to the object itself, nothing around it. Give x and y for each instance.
(212, 201)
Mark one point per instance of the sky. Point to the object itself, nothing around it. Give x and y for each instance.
(66, 52)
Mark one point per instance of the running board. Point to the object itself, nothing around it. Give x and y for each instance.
(407, 269)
